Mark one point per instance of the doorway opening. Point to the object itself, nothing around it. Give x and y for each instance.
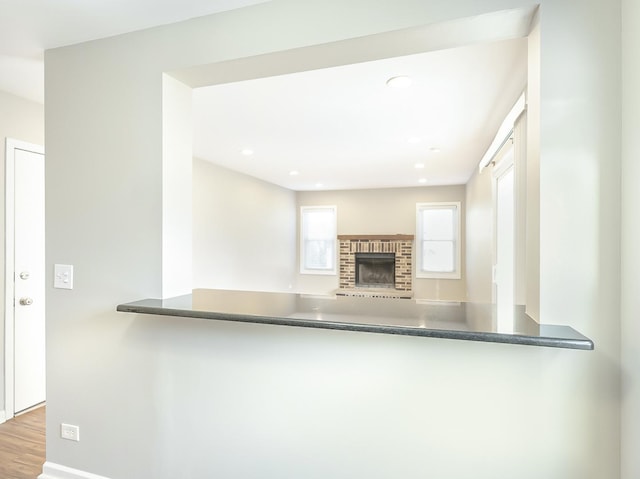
(24, 278)
(504, 266)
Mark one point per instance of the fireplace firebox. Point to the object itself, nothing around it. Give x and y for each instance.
(375, 270)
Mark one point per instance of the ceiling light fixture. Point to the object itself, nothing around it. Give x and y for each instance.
(319, 185)
(419, 166)
(414, 140)
(434, 149)
(401, 81)
(422, 180)
(247, 151)
(293, 173)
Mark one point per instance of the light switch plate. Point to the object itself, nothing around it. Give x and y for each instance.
(63, 276)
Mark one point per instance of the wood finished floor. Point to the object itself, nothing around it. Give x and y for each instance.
(22, 445)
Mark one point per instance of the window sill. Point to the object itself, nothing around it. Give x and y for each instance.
(319, 272)
(438, 276)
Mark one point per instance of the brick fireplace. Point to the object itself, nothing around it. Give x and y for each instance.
(399, 245)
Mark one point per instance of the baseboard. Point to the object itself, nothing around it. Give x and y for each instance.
(3, 417)
(56, 471)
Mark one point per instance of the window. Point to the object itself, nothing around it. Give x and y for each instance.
(438, 240)
(318, 240)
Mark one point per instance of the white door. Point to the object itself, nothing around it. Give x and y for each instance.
(28, 269)
(505, 245)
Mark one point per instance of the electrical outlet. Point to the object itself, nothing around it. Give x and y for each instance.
(70, 432)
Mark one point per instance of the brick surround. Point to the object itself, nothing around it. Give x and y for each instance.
(401, 245)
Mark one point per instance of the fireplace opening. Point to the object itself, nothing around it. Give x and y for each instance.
(375, 270)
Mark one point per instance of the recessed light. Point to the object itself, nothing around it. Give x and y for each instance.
(293, 173)
(422, 180)
(319, 185)
(247, 151)
(434, 149)
(414, 140)
(419, 166)
(400, 81)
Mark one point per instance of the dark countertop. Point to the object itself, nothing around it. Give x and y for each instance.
(410, 317)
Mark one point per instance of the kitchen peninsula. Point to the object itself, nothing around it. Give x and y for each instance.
(410, 317)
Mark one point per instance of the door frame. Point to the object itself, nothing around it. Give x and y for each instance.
(505, 161)
(9, 274)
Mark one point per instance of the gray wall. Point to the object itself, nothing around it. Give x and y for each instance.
(166, 397)
(385, 211)
(20, 120)
(244, 231)
(479, 244)
(630, 418)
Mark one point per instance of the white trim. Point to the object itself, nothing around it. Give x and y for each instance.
(51, 470)
(9, 247)
(457, 273)
(504, 132)
(503, 163)
(3, 418)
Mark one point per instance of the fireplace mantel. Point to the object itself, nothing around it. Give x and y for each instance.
(376, 237)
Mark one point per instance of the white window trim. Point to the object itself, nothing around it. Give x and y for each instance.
(326, 272)
(457, 274)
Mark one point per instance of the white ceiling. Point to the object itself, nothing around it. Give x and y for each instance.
(338, 126)
(344, 128)
(29, 27)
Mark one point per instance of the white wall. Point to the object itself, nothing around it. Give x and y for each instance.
(385, 211)
(177, 160)
(532, 226)
(479, 237)
(169, 397)
(580, 120)
(21, 120)
(630, 419)
(481, 243)
(244, 231)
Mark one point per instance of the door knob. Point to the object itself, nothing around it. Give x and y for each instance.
(26, 301)
(24, 275)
